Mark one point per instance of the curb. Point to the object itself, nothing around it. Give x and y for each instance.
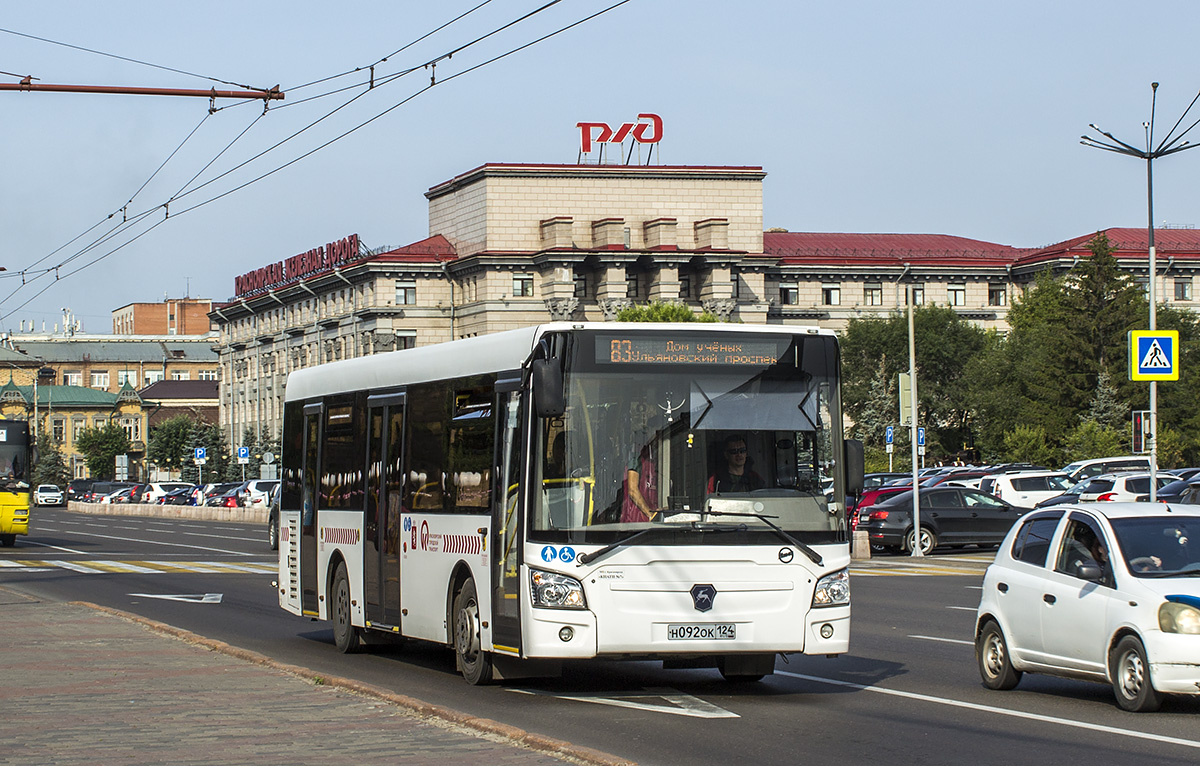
(414, 706)
(192, 512)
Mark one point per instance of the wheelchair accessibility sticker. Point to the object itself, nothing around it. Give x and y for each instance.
(566, 554)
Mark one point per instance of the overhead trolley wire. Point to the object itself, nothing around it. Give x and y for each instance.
(128, 222)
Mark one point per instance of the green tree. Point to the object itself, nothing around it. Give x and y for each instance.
(170, 444)
(945, 344)
(1106, 408)
(51, 466)
(100, 447)
(216, 463)
(1028, 444)
(1092, 439)
(663, 311)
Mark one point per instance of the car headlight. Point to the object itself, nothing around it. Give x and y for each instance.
(1174, 617)
(555, 591)
(832, 590)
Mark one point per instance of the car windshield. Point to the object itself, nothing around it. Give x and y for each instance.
(1159, 546)
(680, 449)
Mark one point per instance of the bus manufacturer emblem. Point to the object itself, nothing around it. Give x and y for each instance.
(786, 554)
(703, 597)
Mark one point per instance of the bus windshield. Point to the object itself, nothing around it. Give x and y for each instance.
(691, 434)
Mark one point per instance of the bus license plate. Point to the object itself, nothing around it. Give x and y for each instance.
(702, 631)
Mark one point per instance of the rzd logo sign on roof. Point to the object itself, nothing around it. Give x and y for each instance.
(649, 132)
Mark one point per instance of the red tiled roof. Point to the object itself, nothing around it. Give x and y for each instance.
(883, 249)
(1129, 243)
(435, 248)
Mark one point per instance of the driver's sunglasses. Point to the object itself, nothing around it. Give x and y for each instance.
(736, 451)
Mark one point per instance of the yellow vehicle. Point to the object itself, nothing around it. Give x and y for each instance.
(15, 470)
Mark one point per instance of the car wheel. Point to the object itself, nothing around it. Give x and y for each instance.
(928, 541)
(273, 533)
(1131, 677)
(345, 635)
(995, 665)
(474, 663)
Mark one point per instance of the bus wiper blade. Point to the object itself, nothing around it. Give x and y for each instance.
(807, 551)
(587, 558)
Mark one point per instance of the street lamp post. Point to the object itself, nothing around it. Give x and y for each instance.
(1170, 144)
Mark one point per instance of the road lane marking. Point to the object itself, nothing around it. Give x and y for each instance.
(138, 567)
(945, 640)
(677, 702)
(965, 608)
(197, 598)
(159, 542)
(999, 710)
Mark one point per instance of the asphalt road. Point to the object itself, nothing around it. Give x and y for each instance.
(908, 691)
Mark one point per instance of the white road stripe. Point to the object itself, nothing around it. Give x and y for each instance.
(964, 608)
(159, 542)
(945, 640)
(1000, 711)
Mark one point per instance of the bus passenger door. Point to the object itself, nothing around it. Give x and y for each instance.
(381, 575)
(310, 471)
(506, 514)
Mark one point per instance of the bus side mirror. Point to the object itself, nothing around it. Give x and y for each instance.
(549, 399)
(853, 449)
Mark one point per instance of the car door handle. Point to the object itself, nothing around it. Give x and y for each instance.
(1048, 598)
(1002, 587)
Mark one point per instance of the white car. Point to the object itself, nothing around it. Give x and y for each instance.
(1025, 489)
(47, 494)
(258, 493)
(1055, 601)
(156, 490)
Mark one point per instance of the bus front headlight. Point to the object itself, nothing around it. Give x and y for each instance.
(832, 590)
(555, 591)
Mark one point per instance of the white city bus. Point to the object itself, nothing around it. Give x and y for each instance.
(475, 494)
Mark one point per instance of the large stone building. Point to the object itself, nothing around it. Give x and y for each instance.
(514, 245)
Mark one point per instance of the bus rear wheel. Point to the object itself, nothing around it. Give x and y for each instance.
(345, 635)
(474, 663)
(8, 541)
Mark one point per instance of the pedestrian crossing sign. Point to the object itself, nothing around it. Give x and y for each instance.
(1154, 355)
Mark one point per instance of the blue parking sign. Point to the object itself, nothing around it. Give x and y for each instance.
(889, 434)
(201, 453)
(921, 436)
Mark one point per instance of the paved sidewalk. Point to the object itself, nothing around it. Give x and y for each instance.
(81, 684)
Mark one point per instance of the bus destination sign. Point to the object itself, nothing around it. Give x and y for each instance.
(660, 350)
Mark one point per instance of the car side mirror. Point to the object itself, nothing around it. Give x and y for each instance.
(1090, 572)
(549, 398)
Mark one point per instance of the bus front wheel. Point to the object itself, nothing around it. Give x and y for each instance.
(474, 663)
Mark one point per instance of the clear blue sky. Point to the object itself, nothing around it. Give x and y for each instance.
(869, 116)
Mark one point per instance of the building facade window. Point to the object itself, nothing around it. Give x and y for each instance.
(60, 430)
(918, 295)
(1183, 289)
(956, 295)
(522, 286)
(181, 375)
(831, 295)
(153, 376)
(406, 292)
(632, 289)
(997, 295)
(72, 378)
(873, 294)
(78, 426)
(737, 286)
(580, 285)
(207, 375)
(789, 295)
(99, 380)
(406, 341)
(133, 427)
(685, 287)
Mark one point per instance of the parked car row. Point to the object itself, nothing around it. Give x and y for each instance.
(253, 493)
(976, 506)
